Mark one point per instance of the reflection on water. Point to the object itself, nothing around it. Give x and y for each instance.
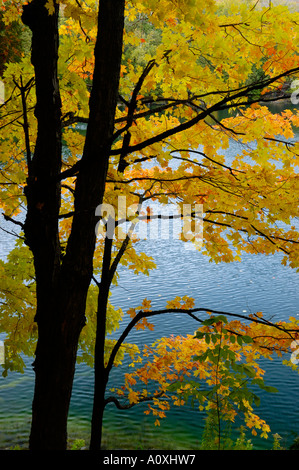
(257, 283)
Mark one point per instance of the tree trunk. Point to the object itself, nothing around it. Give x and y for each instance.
(41, 224)
(62, 286)
(101, 374)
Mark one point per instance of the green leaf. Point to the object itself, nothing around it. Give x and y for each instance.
(215, 338)
(256, 399)
(247, 339)
(199, 335)
(249, 370)
(217, 319)
(262, 385)
(270, 389)
(201, 357)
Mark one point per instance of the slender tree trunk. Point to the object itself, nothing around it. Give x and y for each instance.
(100, 371)
(101, 375)
(62, 286)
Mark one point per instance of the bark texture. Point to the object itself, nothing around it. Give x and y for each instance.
(62, 283)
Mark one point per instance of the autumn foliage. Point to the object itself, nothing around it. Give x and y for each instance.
(194, 77)
(216, 368)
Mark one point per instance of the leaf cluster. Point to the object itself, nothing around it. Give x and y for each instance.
(216, 369)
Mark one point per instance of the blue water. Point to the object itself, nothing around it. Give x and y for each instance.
(258, 283)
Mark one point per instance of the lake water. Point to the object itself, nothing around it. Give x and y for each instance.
(258, 283)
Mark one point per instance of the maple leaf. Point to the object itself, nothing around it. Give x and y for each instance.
(146, 305)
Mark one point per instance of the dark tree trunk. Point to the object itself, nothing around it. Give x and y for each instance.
(62, 286)
(101, 373)
(41, 225)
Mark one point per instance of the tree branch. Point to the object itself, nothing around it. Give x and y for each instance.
(23, 90)
(141, 399)
(190, 312)
(209, 158)
(10, 219)
(70, 172)
(130, 116)
(226, 102)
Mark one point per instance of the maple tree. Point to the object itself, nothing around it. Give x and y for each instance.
(152, 134)
(10, 43)
(217, 367)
